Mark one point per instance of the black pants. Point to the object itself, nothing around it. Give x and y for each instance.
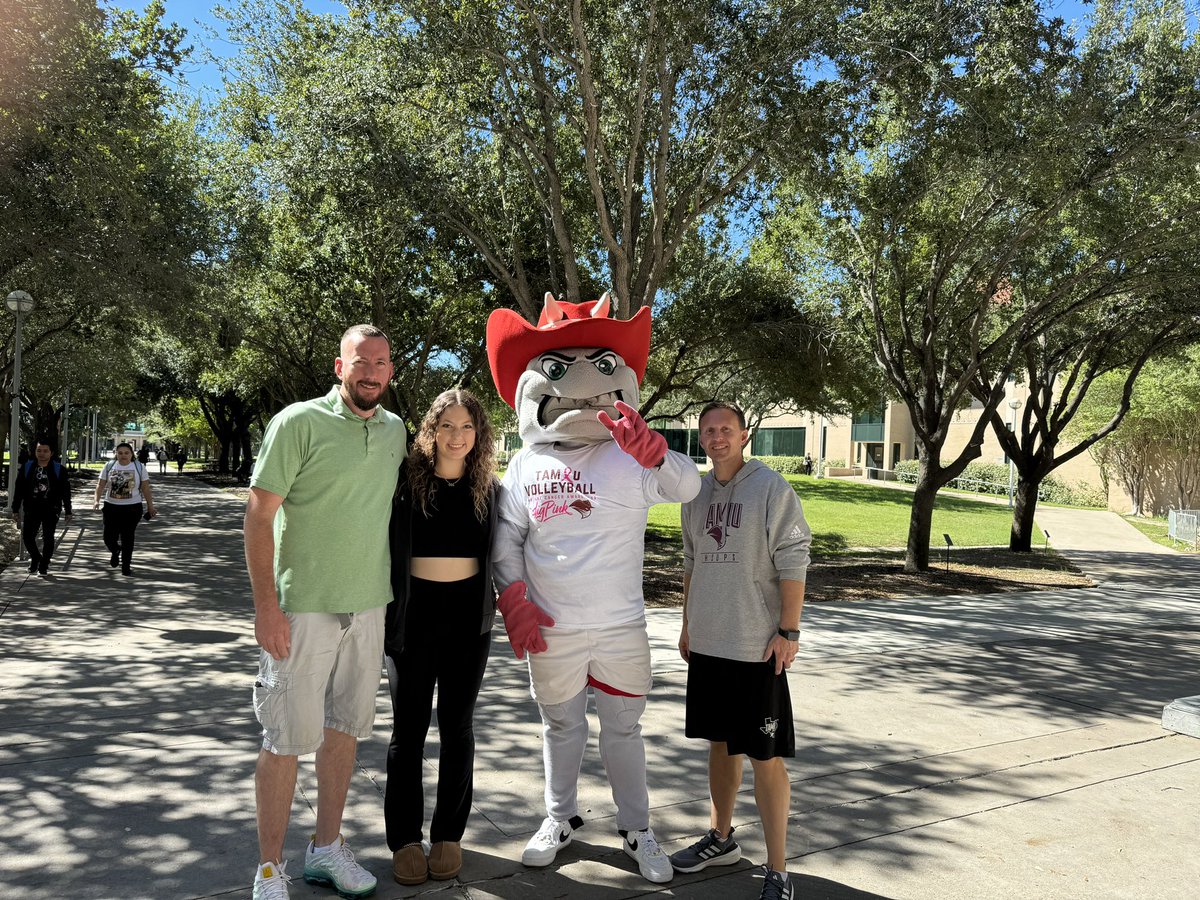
(451, 654)
(120, 522)
(39, 520)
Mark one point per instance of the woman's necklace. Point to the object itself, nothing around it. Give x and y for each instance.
(451, 482)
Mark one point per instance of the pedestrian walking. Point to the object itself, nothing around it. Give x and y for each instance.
(43, 490)
(161, 456)
(122, 485)
(181, 458)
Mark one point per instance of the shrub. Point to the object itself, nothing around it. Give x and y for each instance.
(983, 478)
(835, 463)
(992, 478)
(1055, 490)
(784, 465)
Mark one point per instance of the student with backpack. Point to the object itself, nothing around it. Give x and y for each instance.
(122, 484)
(44, 489)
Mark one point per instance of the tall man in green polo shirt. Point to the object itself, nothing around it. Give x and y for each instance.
(317, 551)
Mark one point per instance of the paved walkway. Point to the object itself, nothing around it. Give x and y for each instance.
(984, 747)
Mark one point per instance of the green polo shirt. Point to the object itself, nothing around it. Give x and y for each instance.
(336, 474)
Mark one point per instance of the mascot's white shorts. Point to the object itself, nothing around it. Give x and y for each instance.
(616, 655)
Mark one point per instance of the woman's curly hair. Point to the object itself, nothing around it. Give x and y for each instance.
(480, 462)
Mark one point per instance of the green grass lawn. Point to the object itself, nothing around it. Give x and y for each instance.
(847, 514)
(1155, 528)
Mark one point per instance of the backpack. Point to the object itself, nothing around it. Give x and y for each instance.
(29, 468)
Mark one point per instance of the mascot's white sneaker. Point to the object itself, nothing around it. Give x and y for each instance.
(653, 863)
(550, 838)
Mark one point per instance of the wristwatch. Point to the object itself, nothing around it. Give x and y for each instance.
(790, 635)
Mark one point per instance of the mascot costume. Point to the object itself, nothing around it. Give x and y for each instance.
(569, 546)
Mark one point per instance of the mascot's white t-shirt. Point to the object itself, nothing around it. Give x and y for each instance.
(572, 525)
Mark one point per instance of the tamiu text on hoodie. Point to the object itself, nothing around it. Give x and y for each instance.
(739, 540)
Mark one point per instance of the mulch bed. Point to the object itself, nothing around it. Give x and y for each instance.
(874, 575)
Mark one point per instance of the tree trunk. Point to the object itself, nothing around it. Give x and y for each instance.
(243, 472)
(920, 523)
(1025, 497)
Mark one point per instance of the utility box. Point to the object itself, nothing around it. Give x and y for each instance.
(1183, 715)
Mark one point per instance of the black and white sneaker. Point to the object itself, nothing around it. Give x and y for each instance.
(776, 885)
(710, 850)
(549, 839)
(652, 862)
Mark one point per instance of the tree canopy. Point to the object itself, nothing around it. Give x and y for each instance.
(997, 182)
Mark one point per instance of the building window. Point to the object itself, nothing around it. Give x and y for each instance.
(778, 442)
(683, 440)
(867, 426)
(512, 442)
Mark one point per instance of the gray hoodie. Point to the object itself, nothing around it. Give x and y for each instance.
(739, 540)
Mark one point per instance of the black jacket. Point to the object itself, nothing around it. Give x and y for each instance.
(58, 494)
(400, 538)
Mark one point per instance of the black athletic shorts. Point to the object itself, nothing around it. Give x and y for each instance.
(744, 704)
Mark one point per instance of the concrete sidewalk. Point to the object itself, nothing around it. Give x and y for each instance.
(1004, 746)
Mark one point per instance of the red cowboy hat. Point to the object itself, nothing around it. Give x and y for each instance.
(512, 342)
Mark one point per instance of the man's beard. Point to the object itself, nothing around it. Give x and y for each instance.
(366, 404)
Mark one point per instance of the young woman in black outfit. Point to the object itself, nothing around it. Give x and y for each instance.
(441, 535)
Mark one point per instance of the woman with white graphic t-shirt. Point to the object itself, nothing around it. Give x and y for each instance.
(122, 485)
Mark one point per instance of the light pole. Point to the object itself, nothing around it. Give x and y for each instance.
(1014, 404)
(20, 303)
(821, 447)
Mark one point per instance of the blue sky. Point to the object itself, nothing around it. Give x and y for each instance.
(204, 77)
(199, 75)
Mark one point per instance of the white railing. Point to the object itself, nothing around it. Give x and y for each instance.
(975, 485)
(1182, 525)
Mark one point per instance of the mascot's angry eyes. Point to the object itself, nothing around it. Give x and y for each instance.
(555, 365)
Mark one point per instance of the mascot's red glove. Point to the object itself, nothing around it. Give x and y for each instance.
(521, 620)
(634, 436)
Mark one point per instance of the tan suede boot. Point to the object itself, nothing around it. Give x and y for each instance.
(445, 860)
(409, 865)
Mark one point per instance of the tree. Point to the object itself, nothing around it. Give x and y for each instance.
(1128, 249)
(577, 144)
(1155, 453)
(743, 327)
(323, 232)
(977, 129)
(1060, 369)
(416, 165)
(97, 190)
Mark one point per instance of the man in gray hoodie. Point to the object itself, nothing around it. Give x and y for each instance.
(745, 547)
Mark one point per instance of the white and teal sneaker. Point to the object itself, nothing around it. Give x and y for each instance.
(335, 867)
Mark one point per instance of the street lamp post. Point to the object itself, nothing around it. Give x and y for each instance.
(1014, 404)
(20, 304)
(821, 447)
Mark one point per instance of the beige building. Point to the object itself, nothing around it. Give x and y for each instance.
(883, 437)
